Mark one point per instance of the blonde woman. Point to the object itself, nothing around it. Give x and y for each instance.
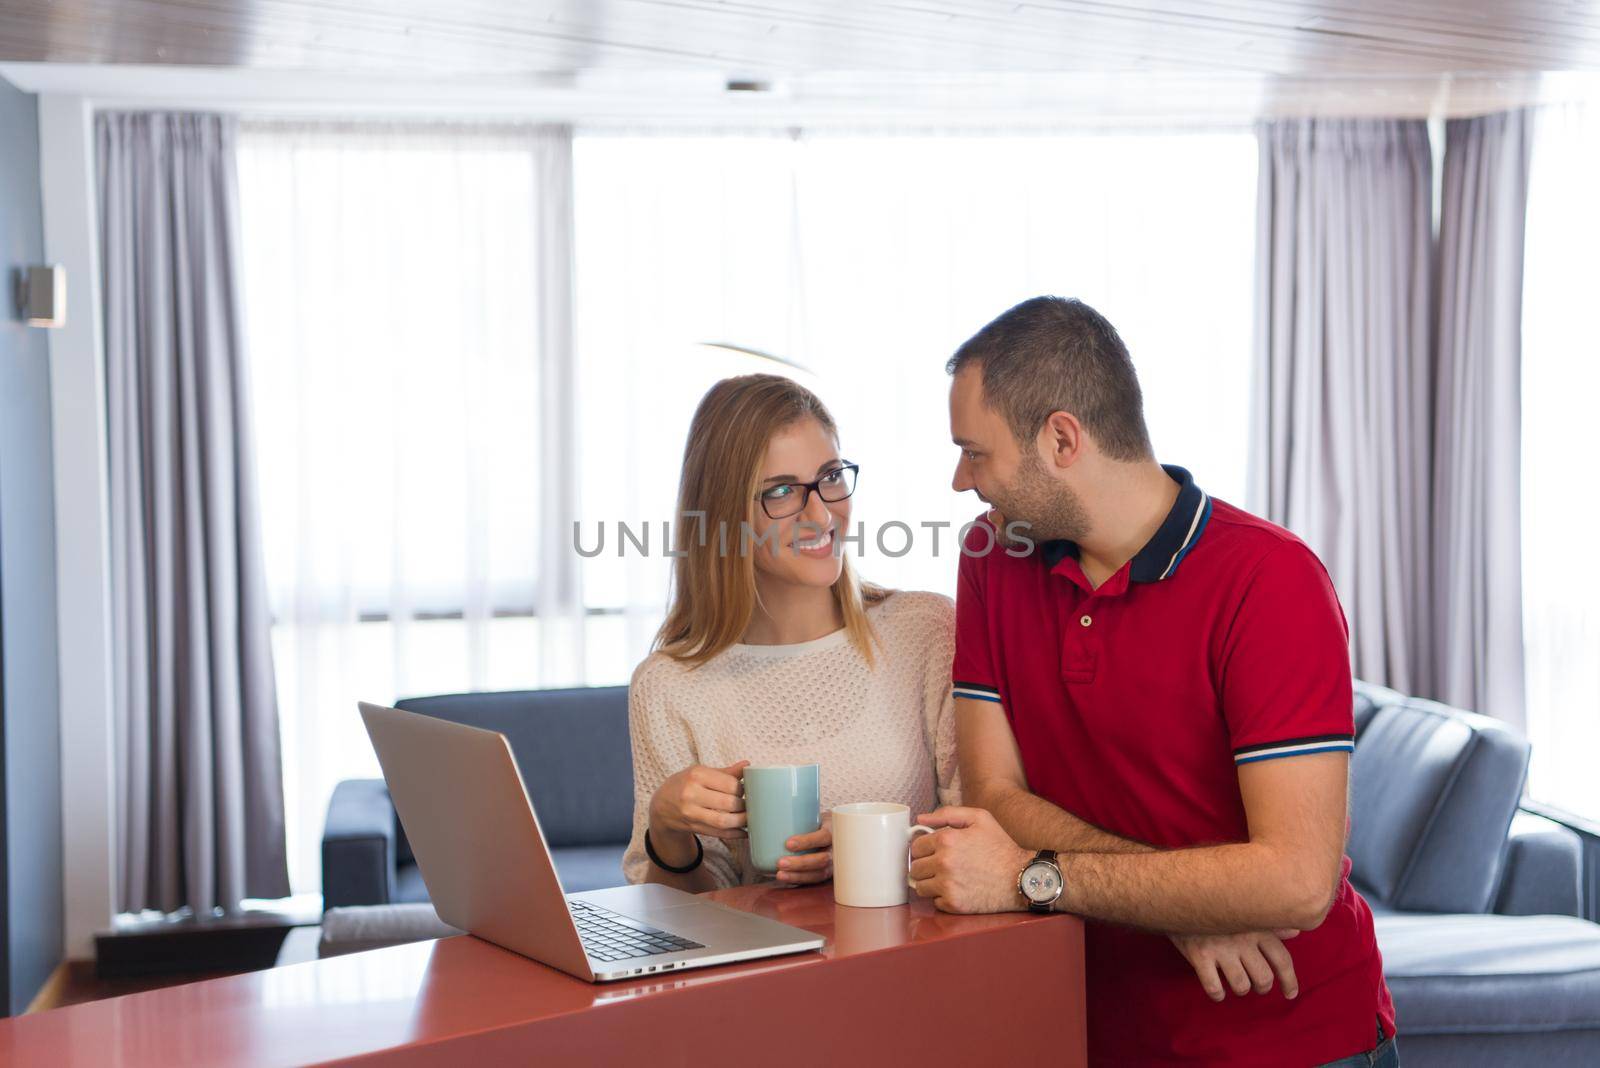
(773, 652)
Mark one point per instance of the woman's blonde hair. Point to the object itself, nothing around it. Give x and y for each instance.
(714, 581)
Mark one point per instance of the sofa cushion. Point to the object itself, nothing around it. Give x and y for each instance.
(1369, 697)
(579, 868)
(408, 885)
(402, 845)
(583, 868)
(1546, 1049)
(1462, 975)
(572, 748)
(1432, 793)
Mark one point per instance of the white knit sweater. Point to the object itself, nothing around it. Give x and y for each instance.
(882, 733)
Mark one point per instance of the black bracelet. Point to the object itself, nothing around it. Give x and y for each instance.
(655, 858)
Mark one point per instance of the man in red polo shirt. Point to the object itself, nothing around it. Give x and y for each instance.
(1156, 686)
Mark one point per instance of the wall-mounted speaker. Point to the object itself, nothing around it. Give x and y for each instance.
(42, 295)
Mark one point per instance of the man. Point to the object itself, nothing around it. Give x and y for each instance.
(1159, 692)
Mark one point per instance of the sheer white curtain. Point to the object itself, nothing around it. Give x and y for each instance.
(1560, 381)
(401, 323)
(869, 257)
(429, 434)
(680, 241)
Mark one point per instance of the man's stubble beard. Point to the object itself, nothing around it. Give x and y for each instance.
(1050, 510)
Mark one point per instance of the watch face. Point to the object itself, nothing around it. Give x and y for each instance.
(1041, 882)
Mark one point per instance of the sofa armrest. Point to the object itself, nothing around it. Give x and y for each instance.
(358, 845)
(1588, 833)
(1543, 872)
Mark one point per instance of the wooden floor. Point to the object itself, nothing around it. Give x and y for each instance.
(75, 982)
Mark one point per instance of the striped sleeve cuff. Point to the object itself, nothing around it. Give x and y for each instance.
(976, 691)
(1322, 743)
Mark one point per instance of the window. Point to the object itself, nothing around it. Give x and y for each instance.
(398, 356)
(389, 285)
(1560, 379)
(869, 258)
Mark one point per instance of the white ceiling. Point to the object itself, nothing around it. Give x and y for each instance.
(951, 60)
(763, 37)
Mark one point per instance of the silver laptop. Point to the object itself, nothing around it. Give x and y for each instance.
(477, 841)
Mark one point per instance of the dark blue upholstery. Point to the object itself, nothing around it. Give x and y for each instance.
(358, 845)
(409, 888)
(1369, 698)
(1432, 794)
(1543, 869)
(1500, 980)
(1437, 842)
(590, 867)
(573, 751)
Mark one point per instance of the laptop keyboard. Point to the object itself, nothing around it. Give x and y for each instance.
(608, 936)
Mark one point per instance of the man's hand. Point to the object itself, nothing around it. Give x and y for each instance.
(1244, 962)
(815, 864)
(970, 864)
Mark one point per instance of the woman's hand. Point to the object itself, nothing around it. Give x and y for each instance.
(811, 868)
(1245, 962)
(700, 800)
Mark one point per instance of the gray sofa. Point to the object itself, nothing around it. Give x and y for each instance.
(573, 751)
(1483, 902)
(1482, 906)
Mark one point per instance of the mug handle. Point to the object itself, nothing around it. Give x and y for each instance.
(911, 835)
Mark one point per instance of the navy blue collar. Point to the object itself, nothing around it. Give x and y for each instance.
(1172, 541)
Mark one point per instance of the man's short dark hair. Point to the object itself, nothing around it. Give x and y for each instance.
(1053, 354)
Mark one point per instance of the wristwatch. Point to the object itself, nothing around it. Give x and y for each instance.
(1040, 883)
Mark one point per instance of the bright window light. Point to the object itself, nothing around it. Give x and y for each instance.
(1560, 379)
(869, 258)
(388, 275)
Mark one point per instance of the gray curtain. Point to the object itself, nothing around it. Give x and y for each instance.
(1477, 489)
(1342, 450)
(198, 768)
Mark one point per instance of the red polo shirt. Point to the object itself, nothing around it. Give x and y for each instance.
(1220, 643)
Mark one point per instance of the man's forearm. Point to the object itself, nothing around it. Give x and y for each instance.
(1209, 890)
(1098, 891)
(1035, 823)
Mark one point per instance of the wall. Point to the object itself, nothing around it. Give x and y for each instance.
(30, 758)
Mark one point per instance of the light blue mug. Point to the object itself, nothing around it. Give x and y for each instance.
(781, 801)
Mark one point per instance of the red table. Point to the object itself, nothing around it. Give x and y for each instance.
(892, 986)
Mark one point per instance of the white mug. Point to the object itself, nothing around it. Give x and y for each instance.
(870, 862)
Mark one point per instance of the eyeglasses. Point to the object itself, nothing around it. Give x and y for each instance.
(790, 498)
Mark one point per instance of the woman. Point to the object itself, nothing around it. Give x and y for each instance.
(774, 652)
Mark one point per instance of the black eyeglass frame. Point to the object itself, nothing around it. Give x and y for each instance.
(807, 488)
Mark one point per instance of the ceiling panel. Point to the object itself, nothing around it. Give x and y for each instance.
(767, 37)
